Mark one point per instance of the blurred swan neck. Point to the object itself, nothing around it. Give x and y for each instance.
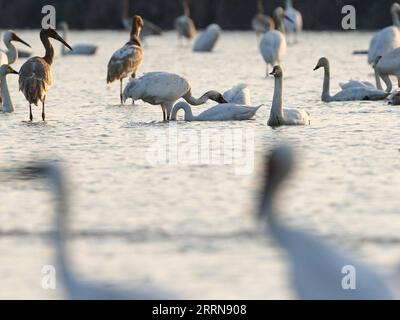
(277, 110)
(289, 4)
(186, 108)
(186, 8)
(326, 85)
(260, 7)
(196, 102)
(396, 18)
(12, 53)
(7, 103)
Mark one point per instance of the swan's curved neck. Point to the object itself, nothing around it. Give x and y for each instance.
(289, 4)
(188, 112)
(12, 53)
(196, 102)
(326, 86)
(49, 56)
(276, 116)
(7, 103)
(396, 18)
(260, 8)
(186, 8)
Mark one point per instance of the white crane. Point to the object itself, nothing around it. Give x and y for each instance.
(221, 112)
(316, 267)
(77, 288)
(78, 49)
(280, 116)
(387, 39)
(8, 106)
(295, 24)
(351, 94)
(163, 88)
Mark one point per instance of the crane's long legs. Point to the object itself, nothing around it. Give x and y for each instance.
(134, 77)
(43, 113)
(120, 92)
(30, 113)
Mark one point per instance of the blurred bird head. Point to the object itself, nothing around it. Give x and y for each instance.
(52, 33)
(6, 69)
(322, 62)
(12, 36)
(216, 96)
(277, 72)
(138, 21)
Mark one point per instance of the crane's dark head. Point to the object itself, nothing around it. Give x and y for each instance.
(52, 33)
(138, 21)
(12, 36)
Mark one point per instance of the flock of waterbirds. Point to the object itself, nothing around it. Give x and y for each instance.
(315, 264)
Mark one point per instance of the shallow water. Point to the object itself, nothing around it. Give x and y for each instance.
(188, 225)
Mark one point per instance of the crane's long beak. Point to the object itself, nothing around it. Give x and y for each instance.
(18, 39)
(57, 37)
(289, 19)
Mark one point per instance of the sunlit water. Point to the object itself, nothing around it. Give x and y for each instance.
(189, 225)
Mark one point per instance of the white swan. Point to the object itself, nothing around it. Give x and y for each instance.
(239, 94)
(11, 55)
(273, 43)
(221, 112)
(351, 94)
(280, 116)
(387, 65)
(295, 24)
(79, 49)
(77, 288)
(184, 25)
(262, 23)
(163, 88)
(316, 267)
(387, 39)
(5, 94)
(206, 41)
(356, 84)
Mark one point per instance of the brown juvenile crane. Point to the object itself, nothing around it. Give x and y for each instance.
(126, 60)
(35, 76)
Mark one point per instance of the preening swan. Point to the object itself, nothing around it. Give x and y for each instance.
(126, 60)
(387, 39)
(280, 116)
(316, 267)
(295, 24)
(77, 288)
(239, 94)
(184, 25)
(221, 112)
(11, 55)
(351, 94)
(35, 76)
(273, 43)
(387, 65)
(206, 41)
(163, 88)
(79, 49)
(262, 23)
(7, 102)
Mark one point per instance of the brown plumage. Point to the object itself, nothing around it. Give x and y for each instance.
(126, 60)
(35, 76)
(184, 25)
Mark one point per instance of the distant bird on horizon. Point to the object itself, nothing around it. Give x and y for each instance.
(295, 24)
(184, 25)
(262, 23)
(35, 76)
(207, 40)
(126, 60)
(79, 49)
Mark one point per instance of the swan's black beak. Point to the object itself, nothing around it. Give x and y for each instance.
(316, 68)
(12, 71)
(221, 99)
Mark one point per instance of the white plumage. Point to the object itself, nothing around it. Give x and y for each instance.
(207, 40)
(239, 94)
(295, 24)
(387, 65)
(78, 49)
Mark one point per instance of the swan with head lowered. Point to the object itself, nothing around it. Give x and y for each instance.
(280, 116)
(79, 49)
(7, 105)
(77, 288)
(163, 88)
(351, 94)
(317, 268)
(221, 112)
(387, 39)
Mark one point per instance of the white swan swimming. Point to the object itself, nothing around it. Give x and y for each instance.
(163, 88)
(387, 39)
(351, 94)
(221, 112)
(273, 43)
(5, 94)
(388, 65)
(316, 267)
(77, 288)
(184, 25)
(262, 23)
(207, 40)
(295, 24)
(79, 49)
(280, 116)
(239, 94)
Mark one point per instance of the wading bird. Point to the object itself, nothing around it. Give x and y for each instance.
(79, 49)
(163, 88)
(295, 24)
(280, 116)
(76, 287)
(387, 39)
(388, 65)
(351, 94)
(262, 23)
(206, 41)
(126, 60)
(316, 267)
(7, 102)
(35, 76)
(183, 24)
(221, 112)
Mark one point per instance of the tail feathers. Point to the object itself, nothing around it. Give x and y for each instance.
(34, 90)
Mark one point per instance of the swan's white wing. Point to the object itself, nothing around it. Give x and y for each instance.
(360, 93)
(296, 117)
(239, 94)
(227, 112)
(206, 41)
(356, 84)
(385, 40)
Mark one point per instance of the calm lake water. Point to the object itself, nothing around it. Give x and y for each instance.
(148, 210)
